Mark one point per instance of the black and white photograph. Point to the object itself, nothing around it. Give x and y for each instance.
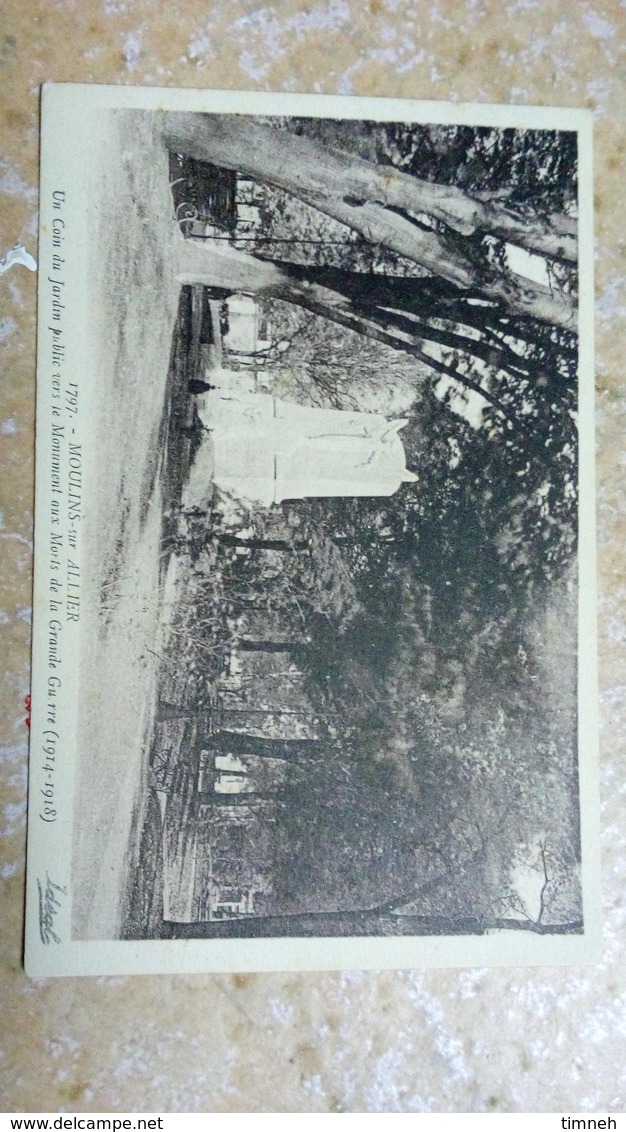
(313, 387)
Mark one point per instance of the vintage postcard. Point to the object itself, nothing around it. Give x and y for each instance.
(314, 643)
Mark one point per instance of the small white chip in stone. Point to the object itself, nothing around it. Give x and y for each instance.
(17, 254)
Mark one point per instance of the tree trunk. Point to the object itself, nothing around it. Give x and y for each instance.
(323, 179)
(575, 927)
(242, 743)
(421, 301)
(349, 923)
(331, 178)
(226, 267)
(262, 543)
(269, 646)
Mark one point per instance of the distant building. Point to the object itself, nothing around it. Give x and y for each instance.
(243, 325)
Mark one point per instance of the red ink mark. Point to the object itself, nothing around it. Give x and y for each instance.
(27, 706)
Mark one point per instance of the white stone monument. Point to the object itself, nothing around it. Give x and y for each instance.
(266, 450)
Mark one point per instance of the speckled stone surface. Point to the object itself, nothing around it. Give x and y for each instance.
(447, 1041)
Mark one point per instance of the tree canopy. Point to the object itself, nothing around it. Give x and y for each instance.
(428, 271)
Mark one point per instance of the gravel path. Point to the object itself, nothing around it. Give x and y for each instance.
(133, 304)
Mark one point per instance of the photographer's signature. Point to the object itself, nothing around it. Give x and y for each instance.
(49, 906)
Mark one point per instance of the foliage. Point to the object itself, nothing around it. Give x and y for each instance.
(435, 629)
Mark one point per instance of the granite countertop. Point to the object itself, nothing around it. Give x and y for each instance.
(470, 1040)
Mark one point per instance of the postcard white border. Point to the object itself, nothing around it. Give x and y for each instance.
(49, 845)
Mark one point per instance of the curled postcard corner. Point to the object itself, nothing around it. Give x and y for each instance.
(17, 254)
